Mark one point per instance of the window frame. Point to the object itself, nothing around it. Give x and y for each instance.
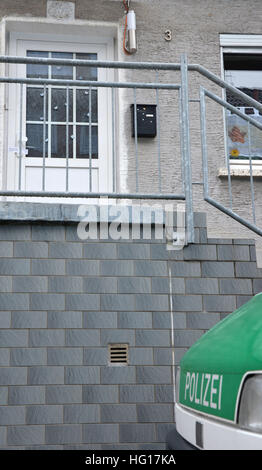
(51, 121)
(237, 44)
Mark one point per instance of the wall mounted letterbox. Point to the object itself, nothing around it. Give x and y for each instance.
(146, 120)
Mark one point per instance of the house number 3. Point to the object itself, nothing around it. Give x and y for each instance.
(168, 35)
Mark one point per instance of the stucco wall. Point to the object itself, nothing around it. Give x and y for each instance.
(195, 30)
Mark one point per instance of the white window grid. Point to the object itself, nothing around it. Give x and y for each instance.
(72, 124)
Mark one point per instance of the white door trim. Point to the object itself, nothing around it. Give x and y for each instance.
(104, 45)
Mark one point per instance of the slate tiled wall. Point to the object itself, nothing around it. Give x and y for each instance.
(63, 300)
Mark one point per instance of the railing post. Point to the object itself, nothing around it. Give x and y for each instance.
(20, 138)
(186, 158)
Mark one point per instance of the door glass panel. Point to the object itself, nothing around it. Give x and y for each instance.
(82, 142)
(56, 97)
(62, 71)
(82, 106)
(58, 105)
(34, 145)
(58, 141)
(35, 104)
(37, 70)
(83, 72)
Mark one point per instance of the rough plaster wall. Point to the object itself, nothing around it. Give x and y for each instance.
(195, 31)
(23, 8)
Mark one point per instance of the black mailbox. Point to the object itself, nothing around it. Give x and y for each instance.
(146, 120)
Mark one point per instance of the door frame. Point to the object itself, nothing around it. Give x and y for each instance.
(104, 46)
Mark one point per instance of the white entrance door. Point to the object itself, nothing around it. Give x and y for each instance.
(57, 156)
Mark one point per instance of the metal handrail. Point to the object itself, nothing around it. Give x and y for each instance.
(94, 84)
(220, 82)
(68, 194)
(88, 83)
(182, 88)
(131, 66)
(207, 197)
(91, 63)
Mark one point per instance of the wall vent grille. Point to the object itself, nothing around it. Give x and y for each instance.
(118, 354)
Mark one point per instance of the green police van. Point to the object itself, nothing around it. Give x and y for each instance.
(219, 386)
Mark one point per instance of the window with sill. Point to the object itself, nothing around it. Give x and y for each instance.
(244, 71)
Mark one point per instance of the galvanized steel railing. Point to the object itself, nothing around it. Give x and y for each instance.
(181, 87)
(183, 110)
(228, 210)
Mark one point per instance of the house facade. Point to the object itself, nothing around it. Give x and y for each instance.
(92, 328)
(210, 35)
